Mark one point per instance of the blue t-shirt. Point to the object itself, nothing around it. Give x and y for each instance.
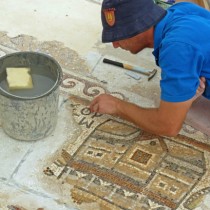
(182, 50)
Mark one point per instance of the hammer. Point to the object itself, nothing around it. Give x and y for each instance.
(149, 73)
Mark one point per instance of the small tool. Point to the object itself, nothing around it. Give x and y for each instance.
(149, 73)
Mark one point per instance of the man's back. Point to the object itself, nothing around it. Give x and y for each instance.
(182, 48)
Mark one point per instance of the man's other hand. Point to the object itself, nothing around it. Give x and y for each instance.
(105, 104)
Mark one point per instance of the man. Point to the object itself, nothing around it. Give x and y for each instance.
(181, 42)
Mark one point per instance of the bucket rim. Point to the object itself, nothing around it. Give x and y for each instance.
(52, 89)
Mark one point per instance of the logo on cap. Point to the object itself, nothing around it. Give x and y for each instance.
(109, 16)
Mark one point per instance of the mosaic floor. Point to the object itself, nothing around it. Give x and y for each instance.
(113, 165)
(119, 166)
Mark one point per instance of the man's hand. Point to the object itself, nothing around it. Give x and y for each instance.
(105, 104)
(201, 88)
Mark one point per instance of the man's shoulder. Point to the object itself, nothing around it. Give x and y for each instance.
(189, 8)
(188, 24)
(184, 5)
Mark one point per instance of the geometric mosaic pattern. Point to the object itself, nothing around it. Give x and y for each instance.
(119, 166)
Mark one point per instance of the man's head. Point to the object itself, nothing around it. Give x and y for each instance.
(123, 19)
(137, 43)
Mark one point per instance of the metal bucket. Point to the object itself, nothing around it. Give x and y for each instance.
(30, 114)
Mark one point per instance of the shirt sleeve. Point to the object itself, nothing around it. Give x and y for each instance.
(181, 65)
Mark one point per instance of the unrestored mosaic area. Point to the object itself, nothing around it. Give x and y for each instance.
(68, 58)
(113, 163)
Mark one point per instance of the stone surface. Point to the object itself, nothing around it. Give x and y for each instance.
(75, 23)
(13, 198)
(12, 153)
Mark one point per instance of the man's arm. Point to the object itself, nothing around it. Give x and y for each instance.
(166, 120)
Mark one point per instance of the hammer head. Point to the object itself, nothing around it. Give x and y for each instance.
(152, 74)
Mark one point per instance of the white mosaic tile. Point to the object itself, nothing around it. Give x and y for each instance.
(12, 198)
(205, 204)
(12, 153)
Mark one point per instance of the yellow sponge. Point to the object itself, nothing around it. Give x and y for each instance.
(19, 78)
